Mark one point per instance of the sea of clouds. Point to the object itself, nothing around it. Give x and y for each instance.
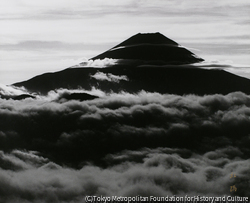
(123, 144)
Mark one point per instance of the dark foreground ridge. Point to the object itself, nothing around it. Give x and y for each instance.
(17, 97)
(153, 48)
(76, 96)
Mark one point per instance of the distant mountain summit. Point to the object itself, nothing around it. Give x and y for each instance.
(153, 48)
(144, 38)
(149, 62)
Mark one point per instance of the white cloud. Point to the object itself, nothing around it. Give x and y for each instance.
(9, 90)
(109, 77)
(98, 63)
(158, 173)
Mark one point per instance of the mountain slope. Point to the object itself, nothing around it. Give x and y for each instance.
(172, 80)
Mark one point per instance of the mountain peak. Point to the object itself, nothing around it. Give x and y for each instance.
(147, 38)
(153, 48)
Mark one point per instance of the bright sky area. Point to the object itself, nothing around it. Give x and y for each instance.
(51, 35)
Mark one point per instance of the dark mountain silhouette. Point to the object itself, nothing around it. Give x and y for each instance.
(153, 79)
(76, 96)
(17, 97)
(142, 74)
(23, 96)
(148, 38)
(151, 47)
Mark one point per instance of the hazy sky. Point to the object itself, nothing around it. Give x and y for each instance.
(50, 35)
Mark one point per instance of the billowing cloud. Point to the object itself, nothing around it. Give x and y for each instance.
(8, 90)
(21, 160)
(170, 120)
(109, 77)
(98, 63)
(160, 172)
(124, 144)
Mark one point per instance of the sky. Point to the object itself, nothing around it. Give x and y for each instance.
(51, 35)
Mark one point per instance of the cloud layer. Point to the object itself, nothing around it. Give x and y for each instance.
(124, 144)
(146, 172)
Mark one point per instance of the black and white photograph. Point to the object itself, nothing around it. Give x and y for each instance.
(124, 101)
